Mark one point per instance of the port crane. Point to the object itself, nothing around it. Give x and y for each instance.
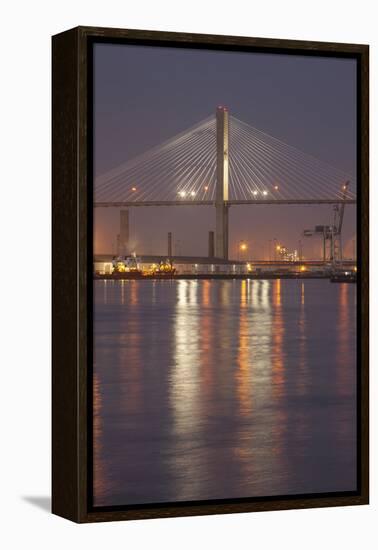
(331, 234)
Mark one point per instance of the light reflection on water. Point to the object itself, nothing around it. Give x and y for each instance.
(223, 389)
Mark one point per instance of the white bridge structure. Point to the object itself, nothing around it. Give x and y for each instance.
(223, 162)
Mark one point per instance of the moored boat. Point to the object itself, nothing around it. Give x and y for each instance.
(126, 267)
(343, 277)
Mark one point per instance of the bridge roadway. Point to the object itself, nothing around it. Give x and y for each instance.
(127, 204)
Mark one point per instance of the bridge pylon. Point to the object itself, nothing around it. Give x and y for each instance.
(221, 207)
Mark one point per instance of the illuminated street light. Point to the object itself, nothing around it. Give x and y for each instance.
(255, 193)
(206, 187)
(193, 194)
(265, 192)
(182, 193)
(133, 189)
(243, 246)
(276, 187)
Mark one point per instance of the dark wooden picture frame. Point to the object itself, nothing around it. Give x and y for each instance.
(72, 272)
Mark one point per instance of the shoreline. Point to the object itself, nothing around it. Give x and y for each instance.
(220, 276)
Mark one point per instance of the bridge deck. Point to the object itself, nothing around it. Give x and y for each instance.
(128, 204)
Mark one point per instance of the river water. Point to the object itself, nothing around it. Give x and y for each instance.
(223, 389)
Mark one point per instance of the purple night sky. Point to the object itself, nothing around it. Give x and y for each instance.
(145, 95)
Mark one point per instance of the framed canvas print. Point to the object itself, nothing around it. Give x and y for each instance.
(210, 274)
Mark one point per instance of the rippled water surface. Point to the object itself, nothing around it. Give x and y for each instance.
(223, 389)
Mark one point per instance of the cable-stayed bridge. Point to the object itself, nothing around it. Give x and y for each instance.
(222, 161)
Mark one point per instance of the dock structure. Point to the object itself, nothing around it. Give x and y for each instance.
(203, 265)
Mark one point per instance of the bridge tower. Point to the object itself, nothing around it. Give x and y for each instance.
(221, 207)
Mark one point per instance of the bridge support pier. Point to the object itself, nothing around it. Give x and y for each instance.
(211, 251)
(169, 245)
(221, 230)
(124, 233)
(221, 207)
